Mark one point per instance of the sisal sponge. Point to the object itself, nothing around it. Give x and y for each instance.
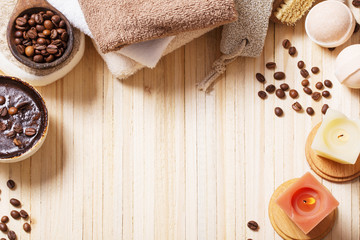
(290, 11)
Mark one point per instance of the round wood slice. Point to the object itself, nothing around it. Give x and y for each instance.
(328, 169)
(287, 229)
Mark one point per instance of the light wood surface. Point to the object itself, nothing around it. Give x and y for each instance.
(326, 168)
(287, 229)
(153, 158)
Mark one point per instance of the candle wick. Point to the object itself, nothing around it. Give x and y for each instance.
(340, 135)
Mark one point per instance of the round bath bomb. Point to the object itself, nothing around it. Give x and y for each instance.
(347, 66)
(330, 24)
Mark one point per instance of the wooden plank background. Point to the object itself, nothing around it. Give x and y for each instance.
(153, 158)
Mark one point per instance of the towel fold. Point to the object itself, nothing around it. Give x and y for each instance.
(115, 24)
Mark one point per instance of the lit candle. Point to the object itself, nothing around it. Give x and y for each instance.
(338, 138)
(307, 202)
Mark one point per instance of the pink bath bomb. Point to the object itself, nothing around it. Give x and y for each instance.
(330, 24)
(347, 66)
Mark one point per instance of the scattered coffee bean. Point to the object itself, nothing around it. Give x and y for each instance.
(304, 73)
(357, 28)
(261, 94)
(328, 83)
(331, 49)
(253, 225)
(2, 100)
(316, 96)
(279, 75)
(11, 134)
(4, 219)
(270, 89)
(280, 93)
(305, 83)
(310, 111)
(11, 235)
(284, 86)
(15, 214)
(356, 3)
(297, 106)
(13, 110)
(2, 126)
(315, 70)
(3, 227)
(3, 112)
(24, 214)
(326, 94)
(292, 51)
(11, 184)
(319, 85)
(324, 108)
(307, 90)
(31, 131)
(278, 111)
(286, 43)
(300, 64)
(17, 142)
(15, 202)
(260, 77)
(270, 65)
(27, 227)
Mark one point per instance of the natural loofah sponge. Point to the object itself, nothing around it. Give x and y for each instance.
(290, 11)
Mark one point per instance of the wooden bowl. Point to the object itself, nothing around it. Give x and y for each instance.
(29, 7)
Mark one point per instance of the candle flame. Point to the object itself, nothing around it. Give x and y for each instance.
(309, 201)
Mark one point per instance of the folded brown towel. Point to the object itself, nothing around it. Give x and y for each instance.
(115, 23)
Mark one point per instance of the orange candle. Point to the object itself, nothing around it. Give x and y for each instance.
(307, 202)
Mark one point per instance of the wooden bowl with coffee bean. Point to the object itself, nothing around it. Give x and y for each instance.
(38, 35)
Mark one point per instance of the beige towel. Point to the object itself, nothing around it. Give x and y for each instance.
(116, 23)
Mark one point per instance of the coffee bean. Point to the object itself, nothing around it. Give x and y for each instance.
(38, 58)
(50, 58)
(304, 73)
(328, 83)
(356, 3)
(253, 225)
(2, 100)
(286, 43)
(3, 227)
(52, 49)
(48, 24)
(53, 34)
(357, 28)
(40, 28)
(2, 126)
(305, 83)
(13, 110)
(31, 131)
(55, 19)
(15, 214)
(307, 90)
(11, 134)
(15, 202)
(270, 65)
(17, 142)
(18, 128)
(300, 64)
(60, 30)
(18, 41)
(319, 85)
(3, 112)
(39, 18)
(62, 24)
(20, 21)
(284, 86)
(29, 51)
(324, 108)
(326, 94)
(310, 111)
(5, 219)
(32, 33)
(64, 36)
(20, 49)
(11, 184)
(270, 89)
(260, 77)
(316, 96)
(27, 227)
(279, 75)
(262, 94)
(31, 22)
(11, 235)
(315, 70)
(18, 34)
(278, 111)
(292, 51)
(280, 93)
(24, 214)
(297, 106)
(49, 13)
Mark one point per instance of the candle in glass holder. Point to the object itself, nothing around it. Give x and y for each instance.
(307, 202)
(338, 138)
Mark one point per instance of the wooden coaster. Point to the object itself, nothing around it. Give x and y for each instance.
(287, 229)
(328, 169)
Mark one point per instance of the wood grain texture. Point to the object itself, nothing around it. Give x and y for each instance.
(153, 158)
